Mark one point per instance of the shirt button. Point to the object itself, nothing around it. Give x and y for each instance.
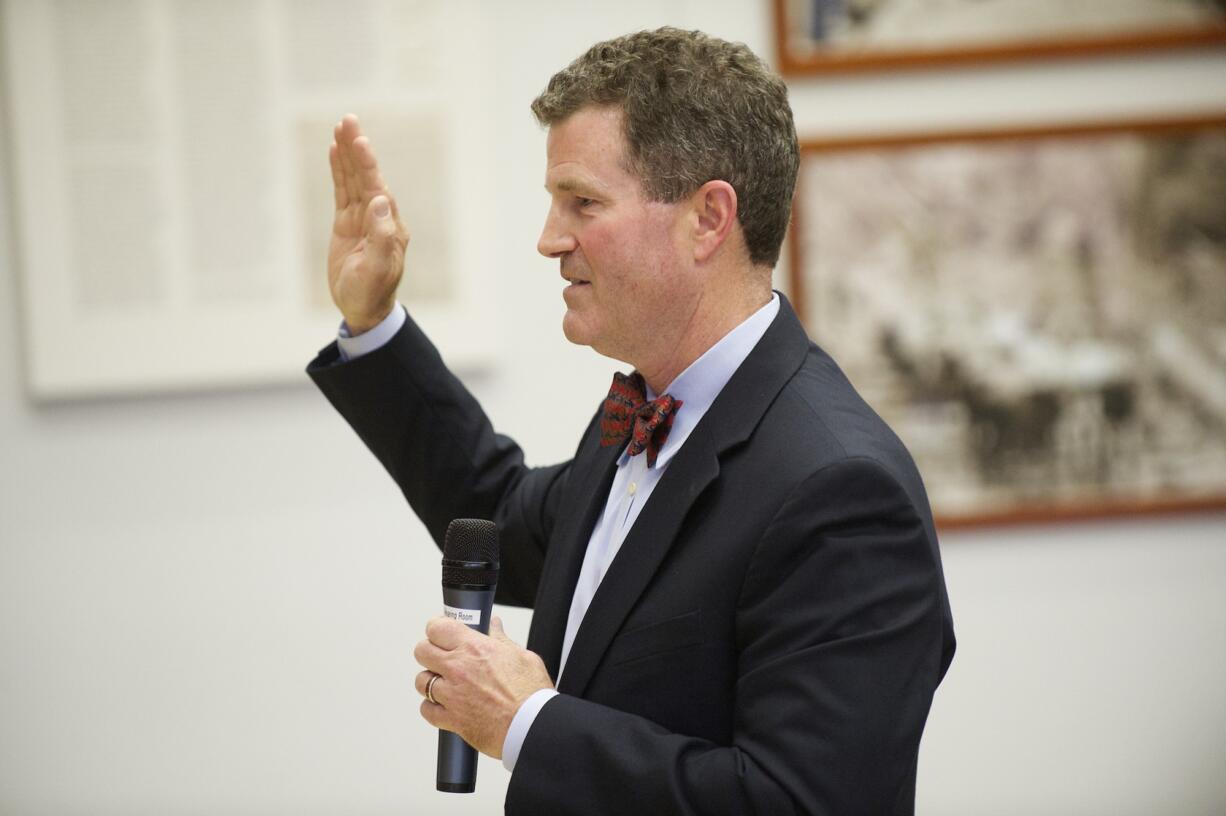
(633, 487)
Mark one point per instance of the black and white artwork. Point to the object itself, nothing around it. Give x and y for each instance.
(1042, 318)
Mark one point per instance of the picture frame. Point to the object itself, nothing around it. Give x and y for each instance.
(815, 37)
(1039, 312)
(173, 196)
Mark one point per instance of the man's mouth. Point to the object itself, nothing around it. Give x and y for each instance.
(568, 273)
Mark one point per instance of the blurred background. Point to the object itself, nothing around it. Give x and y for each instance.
(210, 591)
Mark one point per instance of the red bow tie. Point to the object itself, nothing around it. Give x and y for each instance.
(628, 414)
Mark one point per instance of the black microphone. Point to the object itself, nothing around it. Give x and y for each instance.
(470, 576)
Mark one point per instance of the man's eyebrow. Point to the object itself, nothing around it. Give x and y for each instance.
(572, 185)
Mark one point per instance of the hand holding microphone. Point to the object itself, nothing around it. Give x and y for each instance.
(477, 682)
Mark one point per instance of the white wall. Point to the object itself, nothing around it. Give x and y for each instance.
(208, 603)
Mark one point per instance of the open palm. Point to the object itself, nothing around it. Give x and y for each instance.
(366, 253)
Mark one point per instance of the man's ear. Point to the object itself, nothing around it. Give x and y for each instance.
(714, 207)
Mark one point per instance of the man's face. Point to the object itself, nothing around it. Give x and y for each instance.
(620, 253)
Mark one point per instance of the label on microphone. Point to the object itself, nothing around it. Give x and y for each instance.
(471, 617)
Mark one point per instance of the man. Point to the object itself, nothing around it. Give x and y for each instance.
(736, 581)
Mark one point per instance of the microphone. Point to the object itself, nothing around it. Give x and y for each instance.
(470, 576)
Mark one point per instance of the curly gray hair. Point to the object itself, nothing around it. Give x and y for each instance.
(694, 108)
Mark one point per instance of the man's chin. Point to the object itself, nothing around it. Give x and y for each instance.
(582, 335)
(575, 331)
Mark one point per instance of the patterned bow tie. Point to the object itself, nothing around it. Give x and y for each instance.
(628, 414)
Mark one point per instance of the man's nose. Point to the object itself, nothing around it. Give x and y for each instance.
(556, 240)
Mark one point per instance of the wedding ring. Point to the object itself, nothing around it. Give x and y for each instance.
(430, 689)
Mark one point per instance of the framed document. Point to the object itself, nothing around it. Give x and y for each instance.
(173, 190)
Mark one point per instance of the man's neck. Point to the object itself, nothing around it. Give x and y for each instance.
(701, 333)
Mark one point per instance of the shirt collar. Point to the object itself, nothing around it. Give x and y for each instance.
(700, 383)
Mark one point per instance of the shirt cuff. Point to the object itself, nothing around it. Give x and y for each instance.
(353, 347)
(518, 732)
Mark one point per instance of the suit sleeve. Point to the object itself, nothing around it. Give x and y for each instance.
(438, 445)
(839, 640)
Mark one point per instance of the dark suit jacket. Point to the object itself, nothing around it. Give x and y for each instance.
(770, 635)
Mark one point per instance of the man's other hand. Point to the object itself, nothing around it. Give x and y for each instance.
(366, 255)
(482, 681)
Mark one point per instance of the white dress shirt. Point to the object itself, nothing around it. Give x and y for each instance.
(696, 387)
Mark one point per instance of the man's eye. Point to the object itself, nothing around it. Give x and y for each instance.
(583, 202)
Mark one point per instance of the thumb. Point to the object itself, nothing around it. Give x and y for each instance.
(496, 630)
(380, 226)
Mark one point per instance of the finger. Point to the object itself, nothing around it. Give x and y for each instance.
(430, 657)
(347, 130)
(422, 681)
(447, 633)
(363, 178)
(431, 686)
(342, 159)
(437, 716)
(496, 630)
(338, 177)
(370, 180)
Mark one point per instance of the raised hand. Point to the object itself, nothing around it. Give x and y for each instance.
(366, 254)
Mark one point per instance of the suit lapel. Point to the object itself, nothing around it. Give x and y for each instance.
(729, 422)
(646, 545)
(594, 475)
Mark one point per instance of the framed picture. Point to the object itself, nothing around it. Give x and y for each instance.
(822, 36)
(1040, 314)
(173, 194)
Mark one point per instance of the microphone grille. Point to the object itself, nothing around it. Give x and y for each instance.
(471, 540)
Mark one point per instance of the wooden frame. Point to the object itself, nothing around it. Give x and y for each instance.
(985, 420)
(794, 59)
